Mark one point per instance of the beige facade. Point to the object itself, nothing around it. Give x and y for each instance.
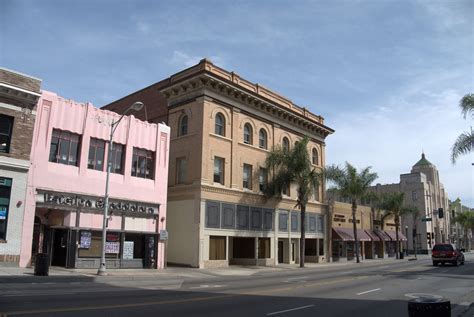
(423, 189)
(222, 128)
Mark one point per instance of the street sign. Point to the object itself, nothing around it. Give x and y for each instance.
(163, 235)
(426, 219)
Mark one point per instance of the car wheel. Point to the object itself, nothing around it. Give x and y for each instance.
(442, 263)
(455, 263)
(435, 263)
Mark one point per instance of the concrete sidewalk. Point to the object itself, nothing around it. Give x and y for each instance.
(58, 274)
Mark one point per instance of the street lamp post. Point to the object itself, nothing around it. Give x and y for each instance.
(136, 106)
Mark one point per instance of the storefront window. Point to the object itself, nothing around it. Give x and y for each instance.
(90, 244)
(133, 246)
(5, 190)
(217, 248)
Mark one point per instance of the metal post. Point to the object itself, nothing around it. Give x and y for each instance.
(102, 267)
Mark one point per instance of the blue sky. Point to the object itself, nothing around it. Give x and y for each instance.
(386, 75)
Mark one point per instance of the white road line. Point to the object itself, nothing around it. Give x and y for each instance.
(297, 278)
(287, 310)
(372, 290)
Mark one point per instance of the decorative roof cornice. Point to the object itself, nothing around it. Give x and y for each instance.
(206, 75)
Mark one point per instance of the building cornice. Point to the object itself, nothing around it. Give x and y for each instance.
(26, 97)
(206, 75)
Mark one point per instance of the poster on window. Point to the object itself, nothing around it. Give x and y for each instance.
(112, 247)
(86, 237)
(3, 213)
(127, 250)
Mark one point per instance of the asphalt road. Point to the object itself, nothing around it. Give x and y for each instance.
(381, 288)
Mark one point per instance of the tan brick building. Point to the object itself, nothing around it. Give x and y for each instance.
(222, 128)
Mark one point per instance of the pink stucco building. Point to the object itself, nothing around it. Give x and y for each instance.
(66, 185)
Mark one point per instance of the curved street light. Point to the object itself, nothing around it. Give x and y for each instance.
(136, 106)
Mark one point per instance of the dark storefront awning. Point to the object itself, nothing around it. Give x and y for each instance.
(347, 234)
(393, 236)
(382, 235)
(372, 235)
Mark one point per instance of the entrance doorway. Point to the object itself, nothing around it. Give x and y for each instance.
(280, 251)
(60, 241)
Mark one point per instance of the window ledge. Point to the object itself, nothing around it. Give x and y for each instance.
(254, 147)
(220, 137)
(3, 241)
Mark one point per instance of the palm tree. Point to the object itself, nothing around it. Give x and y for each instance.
(393, 204)
(465, 141)
(352, 185)
(293, 166)
(415, 212)
(466, 220)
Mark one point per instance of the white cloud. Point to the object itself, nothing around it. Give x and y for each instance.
(391, 137)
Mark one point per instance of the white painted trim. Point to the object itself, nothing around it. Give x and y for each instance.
(21, 89)
(14, 107)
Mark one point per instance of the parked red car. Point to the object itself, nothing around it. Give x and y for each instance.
(447, 253)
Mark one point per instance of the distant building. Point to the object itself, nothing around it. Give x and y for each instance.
(423, 189)
(65, 200)
(19, 94)
(222, 128)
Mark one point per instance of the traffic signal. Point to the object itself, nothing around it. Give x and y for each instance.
(440, 213)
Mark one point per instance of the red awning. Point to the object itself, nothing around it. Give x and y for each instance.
(372, 235)
(383, 235)
(347, 234)
(393, 236)
(342, 234)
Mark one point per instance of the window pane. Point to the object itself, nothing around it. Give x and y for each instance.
(73, 153)
(117, 158)
(134, 164)
(183, 127)
(4, 206)
(53, 151)
(63, 151)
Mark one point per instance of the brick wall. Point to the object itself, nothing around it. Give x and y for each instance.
(18, 80)
(23, 124)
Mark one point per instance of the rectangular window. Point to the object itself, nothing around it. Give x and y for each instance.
(64, 148)
(116, 158)
(5, 190)
(143, 163)
(218, 170)
(321, 247)
(6, 128)
(286, 190)
(181, 170)
(217, 248)
(247, 176)
(414, 195)
(315, 193)
(262, 179)
(96, 154)
(90, 245)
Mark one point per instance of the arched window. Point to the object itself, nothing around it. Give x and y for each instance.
(315, 157)
(220, 124)
(183, 125)
(247, 133)
(286, 144)
(262, 139)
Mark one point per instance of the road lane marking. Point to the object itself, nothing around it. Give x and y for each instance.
(366, 292)
(207, 286)
(131, 305)
(288, 310)
(294, 279)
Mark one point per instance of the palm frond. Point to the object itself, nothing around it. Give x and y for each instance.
(467, 105)
(463, 145)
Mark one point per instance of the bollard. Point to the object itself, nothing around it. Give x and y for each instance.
(429, 307)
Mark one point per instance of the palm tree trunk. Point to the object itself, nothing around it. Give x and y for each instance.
(354, 226)
(397, 246)
(414, 240)
(303, 234)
